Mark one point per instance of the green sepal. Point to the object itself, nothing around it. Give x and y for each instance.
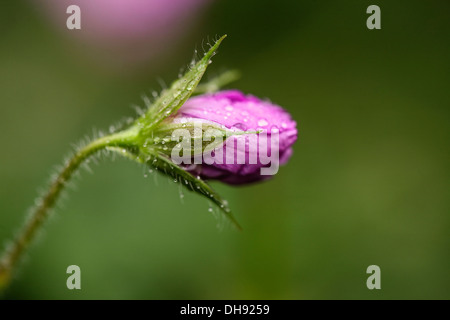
(171, 99)
(163, 138)
(164, 165)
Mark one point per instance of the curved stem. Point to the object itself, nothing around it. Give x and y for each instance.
(40, 213)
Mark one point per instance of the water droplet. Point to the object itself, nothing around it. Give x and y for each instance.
(245, 120)
(210, 209)
(162, 142)
(274, 129)
(205, 112)
(284, 125)
(262, 122)
(180, 191)
(229, 108)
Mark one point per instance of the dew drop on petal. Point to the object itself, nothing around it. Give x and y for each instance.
(262, 122)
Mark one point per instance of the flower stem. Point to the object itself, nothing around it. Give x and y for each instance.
(39, 214)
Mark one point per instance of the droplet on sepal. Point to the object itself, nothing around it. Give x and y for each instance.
(180, 191)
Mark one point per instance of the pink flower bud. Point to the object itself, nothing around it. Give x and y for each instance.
(238, 112)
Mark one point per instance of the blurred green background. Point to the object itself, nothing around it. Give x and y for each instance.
(368, 182)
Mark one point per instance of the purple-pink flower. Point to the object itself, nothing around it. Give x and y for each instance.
(127, 31)
(239, 112)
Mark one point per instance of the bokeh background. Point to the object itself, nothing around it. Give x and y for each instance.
(368, 182)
